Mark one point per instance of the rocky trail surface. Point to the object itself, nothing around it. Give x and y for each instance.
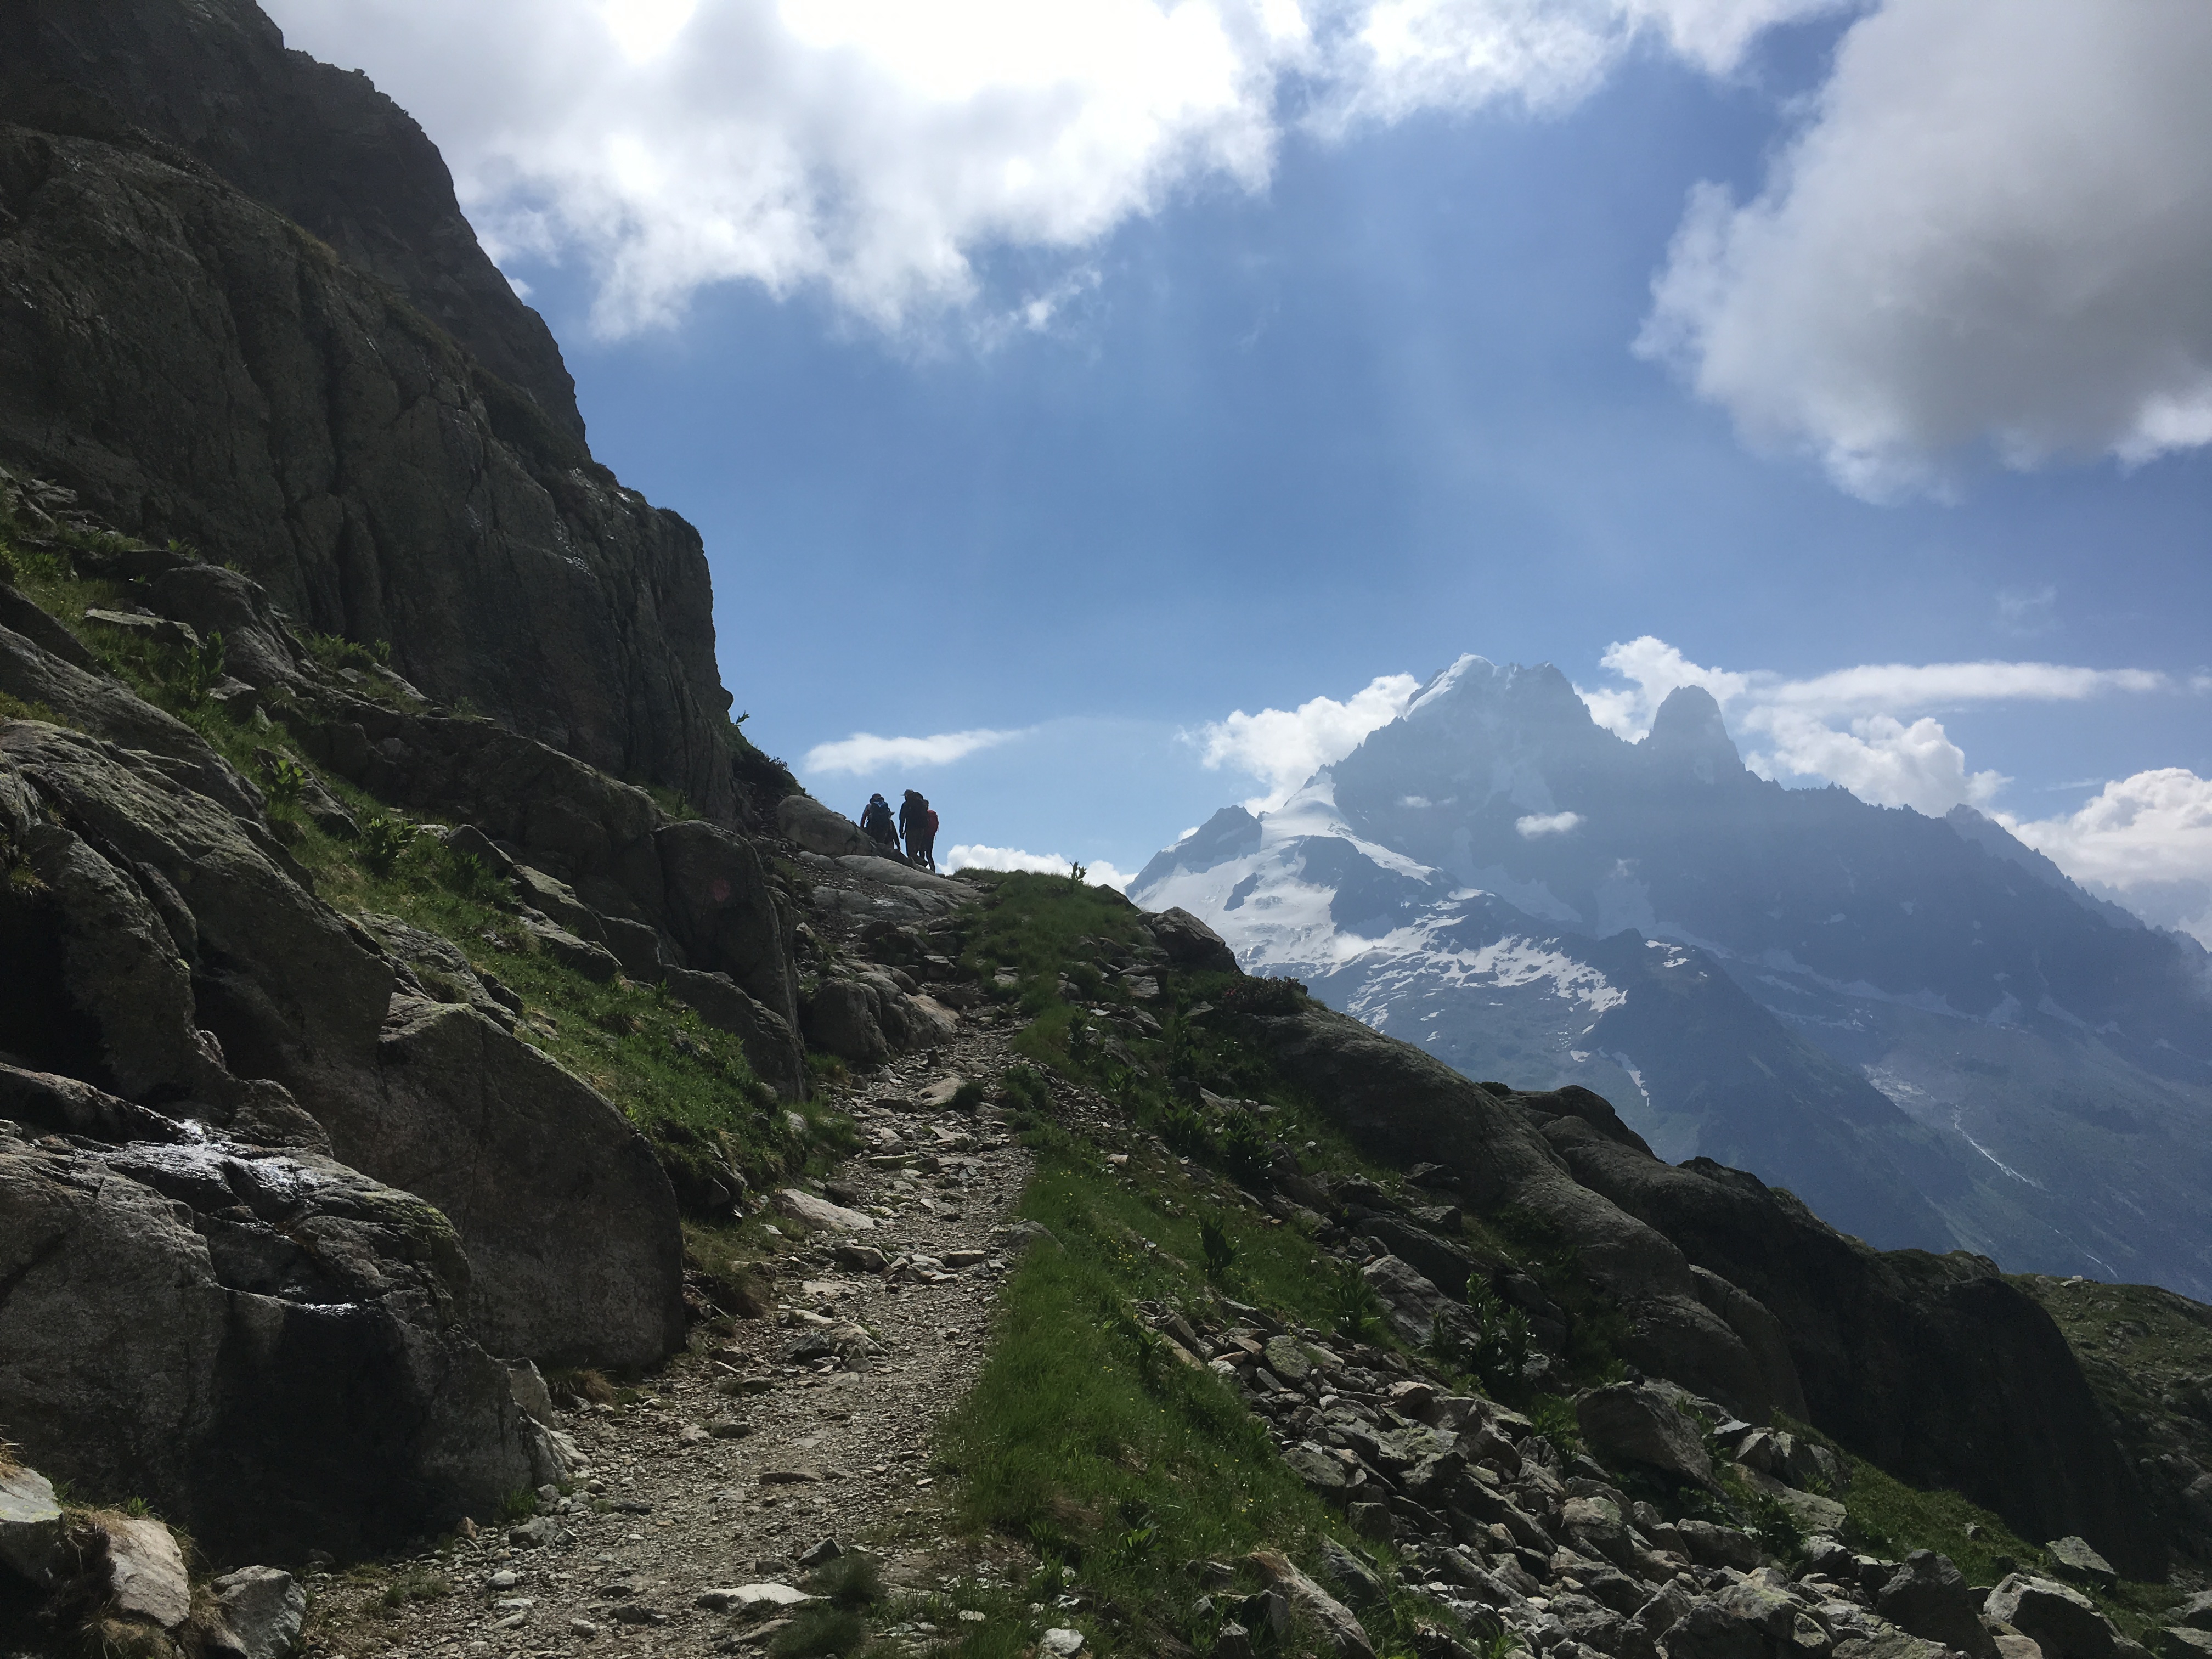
(704, 1502)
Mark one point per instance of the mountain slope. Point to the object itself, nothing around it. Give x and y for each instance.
(1915, 1023)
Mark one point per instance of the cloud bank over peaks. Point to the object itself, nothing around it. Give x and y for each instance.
(872, 149)
(2144, 841)
(1867, 728)
(1284, 747)
(1993, 236)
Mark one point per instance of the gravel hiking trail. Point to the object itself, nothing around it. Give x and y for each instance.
(737, 1464)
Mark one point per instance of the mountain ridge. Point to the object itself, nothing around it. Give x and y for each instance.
(2017, 1045)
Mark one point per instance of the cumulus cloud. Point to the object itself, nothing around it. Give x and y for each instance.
(1547, 824)
(864, 752)
(1868, 727)
(2145, 840)
(1655, 670)
(1284, 747)
(872, 149)
(1994, 233)
(972, 856)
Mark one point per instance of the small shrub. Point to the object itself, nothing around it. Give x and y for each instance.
(333, 651)
(471, 879)
(201, 669)
(819, 1632)
(1220, 1254)
(969, 1097)
(1026, 1087)
(850, 1581)
(1244, 1146)
(416, 1587)
(1555, 1421)
(517, 1506)
(1183, 1129)
(384, 842)
(285, 779)
(18, 708)
(1352, 1302)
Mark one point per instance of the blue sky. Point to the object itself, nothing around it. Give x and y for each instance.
(1248, 434)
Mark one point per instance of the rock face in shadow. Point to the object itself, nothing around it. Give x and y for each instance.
(1932, 1366)
(319, 144)
(170, 955)
(271, 1346)
(1401, 1104)
(546, 1181)
(358, 414)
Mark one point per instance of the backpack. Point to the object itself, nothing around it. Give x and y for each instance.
(933, 823)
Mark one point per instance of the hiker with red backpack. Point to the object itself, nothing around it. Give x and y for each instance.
(918, 823)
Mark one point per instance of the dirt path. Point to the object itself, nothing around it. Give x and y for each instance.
(670, 1511)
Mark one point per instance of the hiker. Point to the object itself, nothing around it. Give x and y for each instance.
(877, 821)
(919, 825)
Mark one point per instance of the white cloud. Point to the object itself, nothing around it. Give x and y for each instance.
(1868, 728)
(971, 856)
(1284, 747)
(1995, 232)
(1879, 758)
(864, 752)
(1547, 824)
(873, 148)
(2145, 840)
(1654, 670)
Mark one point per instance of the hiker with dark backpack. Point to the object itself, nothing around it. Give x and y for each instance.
(876, 821)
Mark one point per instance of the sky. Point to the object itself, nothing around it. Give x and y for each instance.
(1100, 411)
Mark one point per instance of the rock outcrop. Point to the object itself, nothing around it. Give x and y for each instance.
(273, 1345)
(170, 953)
(351, 405)
(1934, 1367)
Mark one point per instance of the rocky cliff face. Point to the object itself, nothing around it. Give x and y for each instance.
(241, 308)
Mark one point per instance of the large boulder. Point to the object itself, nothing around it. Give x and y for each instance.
(1189, 943)
(270, 1348)
(2061, 1620)
(770, 1043)
(722, 911)
(1412, 1304)
(569, 1223)
(288, 987)
(1628, 1422)
(34, 672)
(1929, 1596)
(803, 820)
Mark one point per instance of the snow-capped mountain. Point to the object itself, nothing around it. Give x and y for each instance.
(1917, 1025)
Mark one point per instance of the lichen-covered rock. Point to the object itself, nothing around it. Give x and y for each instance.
(2061, 1620)
(1630, 1422)
(263, 1610)
(1929, 1596)
(269, 1347)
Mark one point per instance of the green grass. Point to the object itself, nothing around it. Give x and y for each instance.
(688, 1088)
(1087, 1440)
